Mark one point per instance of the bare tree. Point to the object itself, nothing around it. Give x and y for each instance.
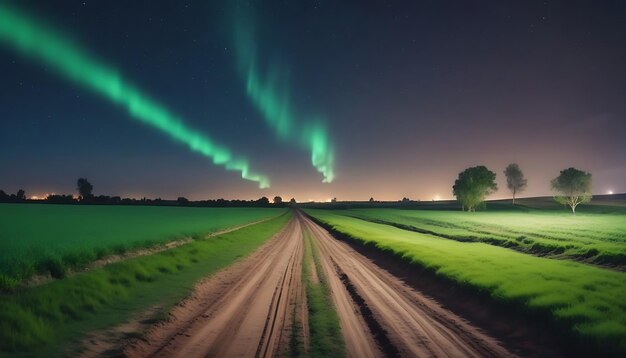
(574, 186)
(515, 180)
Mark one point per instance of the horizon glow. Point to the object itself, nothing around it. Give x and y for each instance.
(37, 41)
(270, 93)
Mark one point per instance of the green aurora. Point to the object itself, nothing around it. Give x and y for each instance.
(270, 94)
(34, 40)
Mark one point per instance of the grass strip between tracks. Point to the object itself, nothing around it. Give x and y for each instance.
(47, 318)
(325, 332)
(586, 301)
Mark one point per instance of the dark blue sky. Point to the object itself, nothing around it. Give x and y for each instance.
(413, 92)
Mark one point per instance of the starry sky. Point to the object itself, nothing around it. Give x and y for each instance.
(410, 93)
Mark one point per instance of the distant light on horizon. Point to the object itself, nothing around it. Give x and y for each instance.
(610, 192)
(436, 197)
(41, 197)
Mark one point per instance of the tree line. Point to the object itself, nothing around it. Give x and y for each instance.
(572, 186)
(86, 196)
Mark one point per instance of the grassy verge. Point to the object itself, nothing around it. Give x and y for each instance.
(590, 237)
(585, 301)
(325, 332)
(45, 319)
(49, 239)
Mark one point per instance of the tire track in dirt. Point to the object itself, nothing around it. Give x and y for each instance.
(242, 311)
(412, 323)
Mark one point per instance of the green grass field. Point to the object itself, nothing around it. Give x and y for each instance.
(590, 236)
(44, 320)
(38, 238)
(588, 301)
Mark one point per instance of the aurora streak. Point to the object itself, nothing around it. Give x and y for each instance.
(270, 93)
(39, 42)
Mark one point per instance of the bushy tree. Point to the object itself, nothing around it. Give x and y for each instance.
(573, 187)
(292, 201)
(278, 200)
(515, 180)
(473, 185)
(84, 189)
(20, 195)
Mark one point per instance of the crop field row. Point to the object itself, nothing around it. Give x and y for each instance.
(588, 301)
(46, 320)
(48, 239)
(590, 237)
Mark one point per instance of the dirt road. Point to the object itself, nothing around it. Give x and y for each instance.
(250, 308)
(242, 311)
(404, 322)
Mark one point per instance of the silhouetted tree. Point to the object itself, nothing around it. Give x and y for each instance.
(278, 200)
(515, 180)
(263, 201)
(84, 189)
(20, 195)
(406, 200)
(473, 185)
(3, 196)
(333, 200)
(292, 201)
(574, 186)
(371, 200)
(182, 200)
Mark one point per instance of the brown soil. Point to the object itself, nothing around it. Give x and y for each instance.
(245, 310)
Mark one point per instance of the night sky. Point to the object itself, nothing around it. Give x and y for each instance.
(410, 93)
